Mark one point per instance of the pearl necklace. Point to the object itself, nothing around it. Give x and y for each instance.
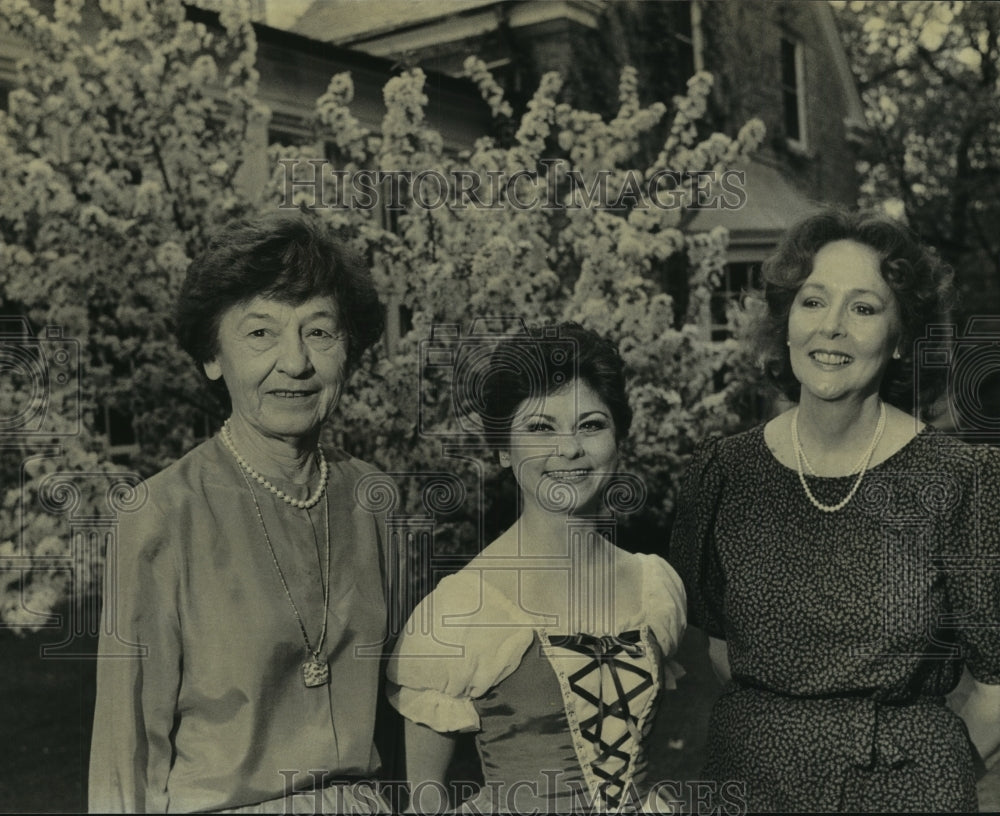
(302, 504)
(861, 466)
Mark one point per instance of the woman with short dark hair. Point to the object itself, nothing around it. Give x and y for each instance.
(250, 577)
(842, 556)
(551, 643)
(290, 257)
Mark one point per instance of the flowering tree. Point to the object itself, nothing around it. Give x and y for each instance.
(123, 148)
(120, 149)
(550, 248)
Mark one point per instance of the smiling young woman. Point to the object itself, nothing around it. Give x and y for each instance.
(551, 644)
(567, 441)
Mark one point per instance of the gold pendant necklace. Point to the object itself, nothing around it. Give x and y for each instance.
(316, 670)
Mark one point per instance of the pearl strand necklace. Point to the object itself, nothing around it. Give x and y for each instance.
(863, 462)
(302, 504)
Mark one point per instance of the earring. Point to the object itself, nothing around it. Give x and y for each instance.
(896, 355)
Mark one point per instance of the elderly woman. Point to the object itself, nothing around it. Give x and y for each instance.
(250, 575)
(842, 556)
(550, 644)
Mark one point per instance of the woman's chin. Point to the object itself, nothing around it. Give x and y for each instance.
(828, 392)
(288, 428)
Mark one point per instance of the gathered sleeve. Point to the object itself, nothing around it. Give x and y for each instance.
(973, 580)
(664, 604)
(692, 543)
(460, 641)
(664, 609)
(138, 669)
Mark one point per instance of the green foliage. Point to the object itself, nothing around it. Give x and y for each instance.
(127, 144)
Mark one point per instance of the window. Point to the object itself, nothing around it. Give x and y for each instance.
(736, 279)
(683, 35)
(116, 426)
(405, 319)
(288, 130)
(398, 323)
(792, 91)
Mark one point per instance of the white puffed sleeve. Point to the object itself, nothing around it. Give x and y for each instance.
(664, 607)
(460, 641)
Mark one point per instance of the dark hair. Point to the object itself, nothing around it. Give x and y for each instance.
(290, 257)
(921, 283)
(548, 358)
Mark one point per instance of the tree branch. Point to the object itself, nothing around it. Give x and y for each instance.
(949, 79)
(174, 205)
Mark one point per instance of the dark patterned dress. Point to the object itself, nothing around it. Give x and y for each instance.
(845, 630)
(561, 717)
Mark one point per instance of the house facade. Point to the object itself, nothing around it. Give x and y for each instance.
(294, 71)
(779, 60)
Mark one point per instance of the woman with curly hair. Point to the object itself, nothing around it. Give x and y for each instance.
(552, 644)
(250, 579)
(838, 556)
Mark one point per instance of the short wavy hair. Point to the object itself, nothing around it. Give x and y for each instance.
(290, 257)
(923, 287)
(547, 359)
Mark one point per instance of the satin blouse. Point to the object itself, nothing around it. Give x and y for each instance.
(201, 703)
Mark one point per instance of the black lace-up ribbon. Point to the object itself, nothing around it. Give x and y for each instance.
(606, 655)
